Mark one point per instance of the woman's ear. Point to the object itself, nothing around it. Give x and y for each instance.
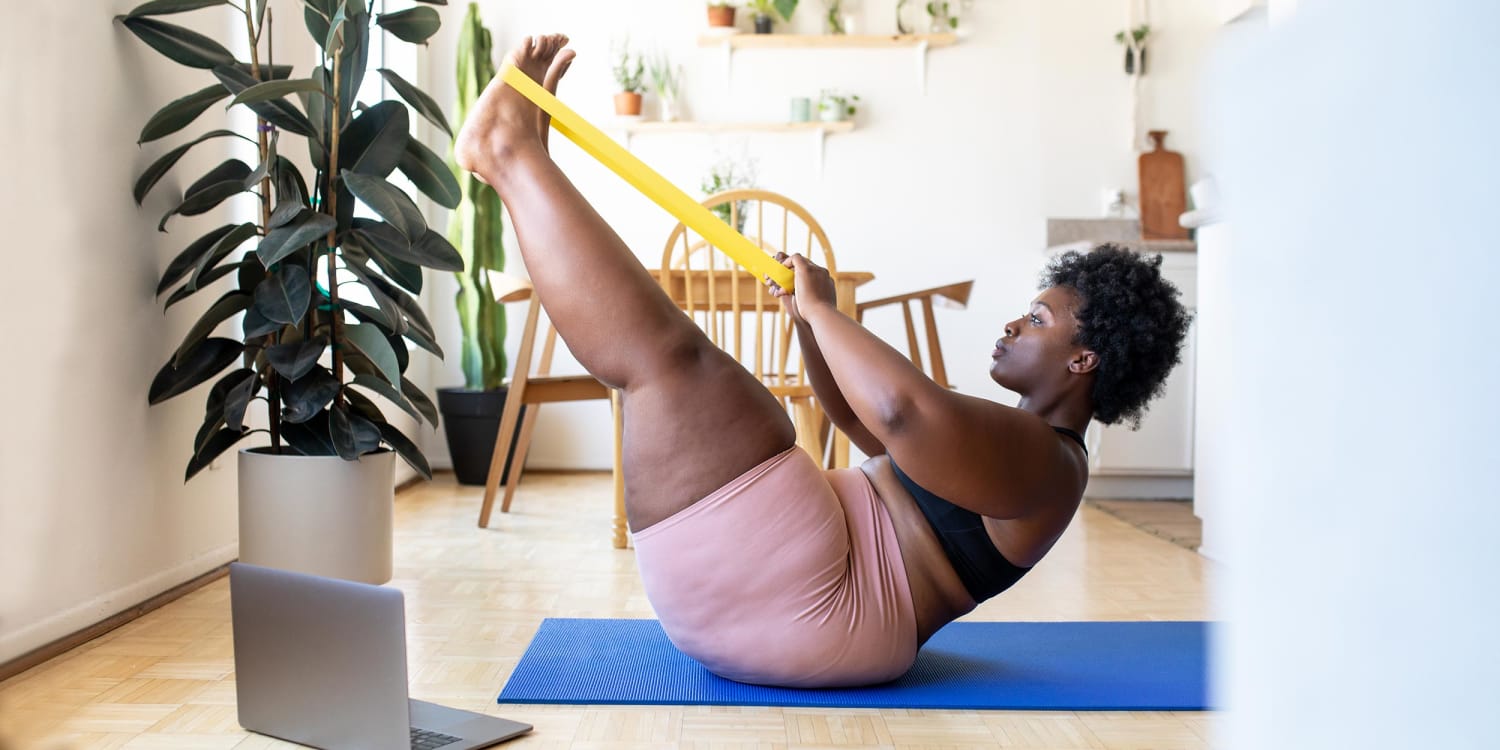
(1084, 361)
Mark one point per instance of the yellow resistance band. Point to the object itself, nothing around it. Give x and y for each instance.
(649, 181)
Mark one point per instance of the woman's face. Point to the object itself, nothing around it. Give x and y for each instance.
(1038, 347)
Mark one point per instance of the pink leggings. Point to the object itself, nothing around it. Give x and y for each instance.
(787, 576)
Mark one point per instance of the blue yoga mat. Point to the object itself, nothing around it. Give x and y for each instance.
(1098, 666)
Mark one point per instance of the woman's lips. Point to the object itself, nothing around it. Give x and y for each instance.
(999, 350)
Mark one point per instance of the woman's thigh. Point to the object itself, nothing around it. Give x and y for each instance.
(692, 426)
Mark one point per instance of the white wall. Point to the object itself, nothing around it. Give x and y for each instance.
(94, 514)
(1027, 117)
(1360, 599)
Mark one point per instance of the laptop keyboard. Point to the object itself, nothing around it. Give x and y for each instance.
(423, 739)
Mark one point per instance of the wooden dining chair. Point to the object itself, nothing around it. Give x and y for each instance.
(950, 295)
(734, 308)
(532, 389)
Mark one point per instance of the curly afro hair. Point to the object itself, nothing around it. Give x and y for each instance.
(1131, 317)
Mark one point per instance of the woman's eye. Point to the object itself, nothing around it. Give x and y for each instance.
(1035, 320)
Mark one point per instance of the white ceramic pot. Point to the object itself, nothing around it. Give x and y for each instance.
(318, 514)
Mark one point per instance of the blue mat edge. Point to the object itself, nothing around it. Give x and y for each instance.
(1207, 703)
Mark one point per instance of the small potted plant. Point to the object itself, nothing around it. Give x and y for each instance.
(834, 106)
(720, 14)
(1135, 48)
(833, 20)
(764, 8)
(630, 72)
(666, 81)
(729, 174)
(942, 16)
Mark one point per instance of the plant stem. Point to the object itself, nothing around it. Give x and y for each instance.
(273, 400)
(333, 206)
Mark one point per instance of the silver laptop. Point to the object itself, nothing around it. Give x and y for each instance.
(322, 662)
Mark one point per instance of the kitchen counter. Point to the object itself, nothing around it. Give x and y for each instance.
(1123, 232)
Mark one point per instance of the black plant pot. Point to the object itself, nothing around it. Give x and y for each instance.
(471, 420)
(762, 24)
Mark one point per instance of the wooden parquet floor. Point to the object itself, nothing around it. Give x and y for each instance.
(475, 596)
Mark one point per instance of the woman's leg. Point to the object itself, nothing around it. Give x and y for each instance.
(694, 418)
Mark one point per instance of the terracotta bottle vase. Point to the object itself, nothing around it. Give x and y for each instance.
(1163, 193)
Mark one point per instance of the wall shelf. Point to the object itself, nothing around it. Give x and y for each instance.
(818, 128)
(824, 41)
(919, 42)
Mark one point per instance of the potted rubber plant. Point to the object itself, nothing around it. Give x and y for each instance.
(326, 299)
(471, 414)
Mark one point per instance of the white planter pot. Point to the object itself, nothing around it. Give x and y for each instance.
(318, 514)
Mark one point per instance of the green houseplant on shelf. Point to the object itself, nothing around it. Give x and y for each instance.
(326, 298)
(729, 173)
(764, 8)
(471, 414)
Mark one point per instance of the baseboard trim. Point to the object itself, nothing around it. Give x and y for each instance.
(69, 642)
(73, 640)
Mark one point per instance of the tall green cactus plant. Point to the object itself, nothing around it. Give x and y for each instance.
(475, 228)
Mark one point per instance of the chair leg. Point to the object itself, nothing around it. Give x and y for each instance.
(620, 529)
(523, 446)
(503, 442)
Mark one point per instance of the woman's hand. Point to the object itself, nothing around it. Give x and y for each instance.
(814, 287)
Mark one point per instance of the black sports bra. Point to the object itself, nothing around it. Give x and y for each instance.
(984, 571)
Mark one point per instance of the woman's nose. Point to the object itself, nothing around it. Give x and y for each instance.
(1010, 329)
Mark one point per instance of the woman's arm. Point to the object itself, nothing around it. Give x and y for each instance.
(987, 457)
(825, 388)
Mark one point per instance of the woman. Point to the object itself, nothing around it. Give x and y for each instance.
(761, 566)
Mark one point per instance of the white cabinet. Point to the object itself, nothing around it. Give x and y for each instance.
(1163, 446)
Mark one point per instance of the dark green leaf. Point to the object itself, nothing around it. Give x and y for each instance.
(284, 297)
(158, 168)
(220, 442)
(305, 397)
(291, 237)
(262, 92)
(309, 438)
(420, 400)
(218, 312)
(371, 342)
(431, 249)
(285, 212)
(290, 187)
(188, 258)
(354, 59)
(257, 325)
(317, 21)
(353, 435)
(296, 359)
(389, 391)
(413, 25)
(334, 39)
(187, 290)
(403, 300)
(211, 423)
(207, 360)
(220, 184)
(279, 112)
(367, 314)
(403, 353)
(363, 406)
(221, 249)
(423, 340)
(425, 105)
(267, 72)
(372, 144)
(163, 7)
(185, 46)
(237, 401)
(407, 275)
(230, 170)
(427, 171)
(180, 112)
(220, 391)
(434, 2)
(389, 202)
(260, 14)
(406, 449)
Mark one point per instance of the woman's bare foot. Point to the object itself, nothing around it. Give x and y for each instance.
(503, 120)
